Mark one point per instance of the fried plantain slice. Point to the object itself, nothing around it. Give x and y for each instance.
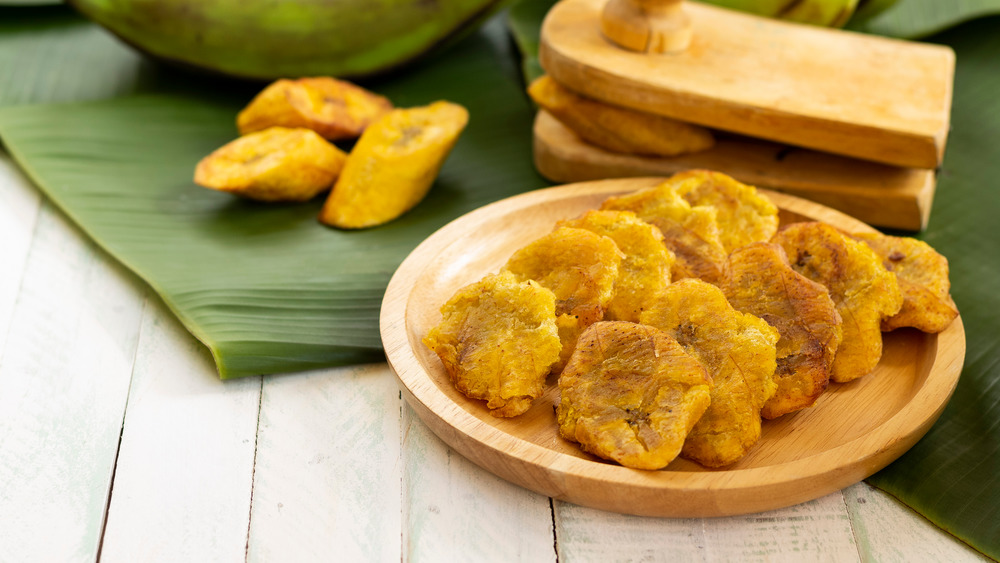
(275, 164)
(631, 394)
(691, 233)
(580, 267)
(393, 165)
(498, 341)
(744, 215)
(618, 129)
(864, 292)
(737, 350)
(333, 108)
(923, 277)
(762, 283)
(645, 269)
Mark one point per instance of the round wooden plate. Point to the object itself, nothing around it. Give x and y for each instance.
(854, 429)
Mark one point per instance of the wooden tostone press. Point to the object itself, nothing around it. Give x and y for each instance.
(854, 121)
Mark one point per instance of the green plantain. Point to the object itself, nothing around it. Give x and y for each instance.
(868, 9)
(268, 39)
(832, 13)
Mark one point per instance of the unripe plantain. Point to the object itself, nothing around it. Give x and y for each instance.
(267, 39)
(832, 13)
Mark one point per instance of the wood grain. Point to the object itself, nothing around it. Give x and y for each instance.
(327, 476)
(878, 194)
(822, 525)
(647, 26)
(454, 512)
(19, 206)
(184, 474)
(800, 457)
(64, 379)
(863, 96)
(893, 539)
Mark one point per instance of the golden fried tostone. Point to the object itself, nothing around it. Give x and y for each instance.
(618, 129)
(762, 283)
(744, 216)
(580, 267)
(498, 341)
(333, 108)
(644, 271)
(393, 165)
(276, 164)
(631, 394)
(864, 292)
(923, 277)
(737, 350)
(691, 233)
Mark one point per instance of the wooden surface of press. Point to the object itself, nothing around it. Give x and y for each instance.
(878, 194)
(868, 97)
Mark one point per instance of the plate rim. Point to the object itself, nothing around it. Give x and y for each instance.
(554, 473)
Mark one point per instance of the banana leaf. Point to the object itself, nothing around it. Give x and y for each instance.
(265, 287)
(49, 54)
(952, 475)
(916, 19)
(524, 20)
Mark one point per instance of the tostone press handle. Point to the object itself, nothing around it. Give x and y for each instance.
(648, 26)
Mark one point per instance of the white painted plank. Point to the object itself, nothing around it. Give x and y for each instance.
(327, 479)
(888, 530)
(19, 205)
(453, 511)
(818, 530)
(64, 379)
(184, 475)
(589, 534)
(814, 531)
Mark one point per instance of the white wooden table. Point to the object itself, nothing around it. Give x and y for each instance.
(118, 442)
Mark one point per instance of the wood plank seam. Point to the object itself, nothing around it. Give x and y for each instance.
(555, 532)
(921, 516)
(121, 429)
(850, 519)
(404, 433)
(253, 470)
(20, 283)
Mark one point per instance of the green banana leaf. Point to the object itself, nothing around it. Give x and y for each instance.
(265, 287)
(952, 475)
(524, 20)
(109, 161)
(916, 19)
(49, 54)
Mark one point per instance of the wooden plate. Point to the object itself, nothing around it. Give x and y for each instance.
(854, 430)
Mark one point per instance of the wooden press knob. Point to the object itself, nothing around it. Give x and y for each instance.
(648, 26)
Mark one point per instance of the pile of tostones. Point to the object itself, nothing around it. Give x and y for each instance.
(679, 316)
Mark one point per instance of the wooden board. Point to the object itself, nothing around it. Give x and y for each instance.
(56, 485)
(65, 370)
(184, 471)
(878, 194)
(868, 97)
(854, 430)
